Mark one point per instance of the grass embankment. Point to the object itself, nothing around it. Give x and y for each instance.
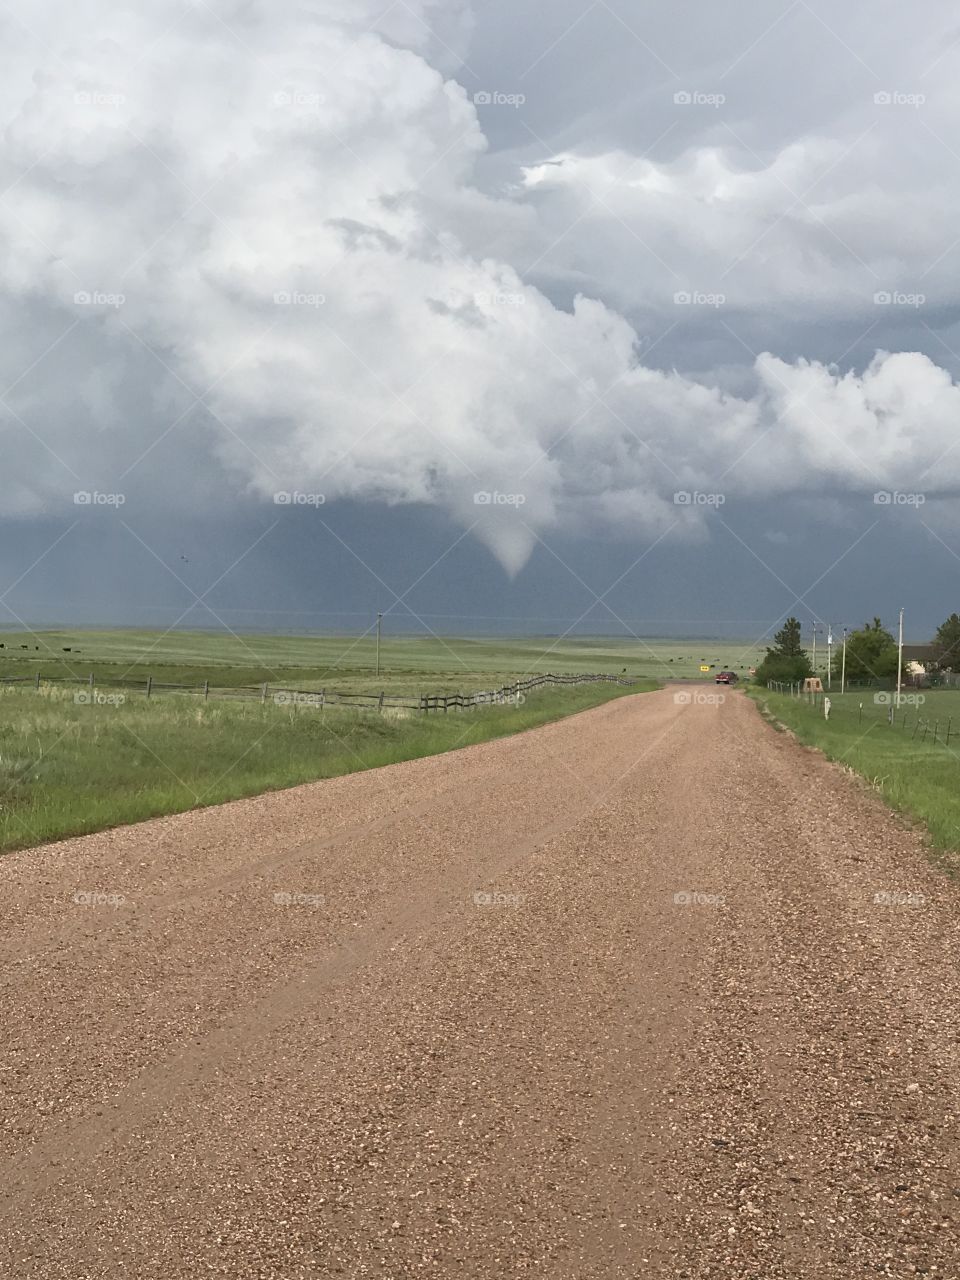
(917, 774)
(67, 768)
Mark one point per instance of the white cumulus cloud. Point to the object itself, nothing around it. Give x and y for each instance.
(270, 209)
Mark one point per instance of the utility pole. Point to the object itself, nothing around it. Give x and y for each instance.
(843, 664)
(900, 660)
(814, 648)
(829, 656)
(379, 623)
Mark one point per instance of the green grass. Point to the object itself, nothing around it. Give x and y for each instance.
(68, 768)
(410, 664)
(919, 778)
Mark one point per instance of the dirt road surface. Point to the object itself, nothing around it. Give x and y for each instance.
(649, 992)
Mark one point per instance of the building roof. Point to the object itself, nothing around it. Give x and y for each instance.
(919, 653)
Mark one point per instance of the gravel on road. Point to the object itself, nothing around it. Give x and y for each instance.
(648, 992)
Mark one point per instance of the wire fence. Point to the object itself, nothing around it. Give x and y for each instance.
(906, 713)
(284, 696)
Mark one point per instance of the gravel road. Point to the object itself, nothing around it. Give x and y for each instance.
(648, 992)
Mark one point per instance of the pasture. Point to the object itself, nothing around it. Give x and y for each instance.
(78, 757)
(409, 664)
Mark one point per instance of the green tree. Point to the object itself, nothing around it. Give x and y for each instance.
(787, 641)
(786, 661)
(871, 654)
(946, 644)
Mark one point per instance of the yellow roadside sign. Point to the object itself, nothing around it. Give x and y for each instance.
(703, 667)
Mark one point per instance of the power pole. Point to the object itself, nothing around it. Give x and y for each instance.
(814, 648)
(900, 660)
(829, 656)
(379, 623)
(843, 664)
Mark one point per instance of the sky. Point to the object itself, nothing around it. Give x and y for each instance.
(633, 319)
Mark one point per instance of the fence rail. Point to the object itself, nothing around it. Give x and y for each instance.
(283, 695)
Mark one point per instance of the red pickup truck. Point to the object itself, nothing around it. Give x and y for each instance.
(727, 677)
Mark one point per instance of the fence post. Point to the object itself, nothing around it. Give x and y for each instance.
(149, 685)
(206, 690)
(380, 703)
(263, 694)
(91, 680)
(38, 681)
(423, 704)
(949, 722)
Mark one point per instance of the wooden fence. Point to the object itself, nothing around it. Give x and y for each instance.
(283, 696)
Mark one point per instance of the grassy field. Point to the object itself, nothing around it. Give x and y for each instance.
(916, 773)
(409, 664)
(69, 767)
